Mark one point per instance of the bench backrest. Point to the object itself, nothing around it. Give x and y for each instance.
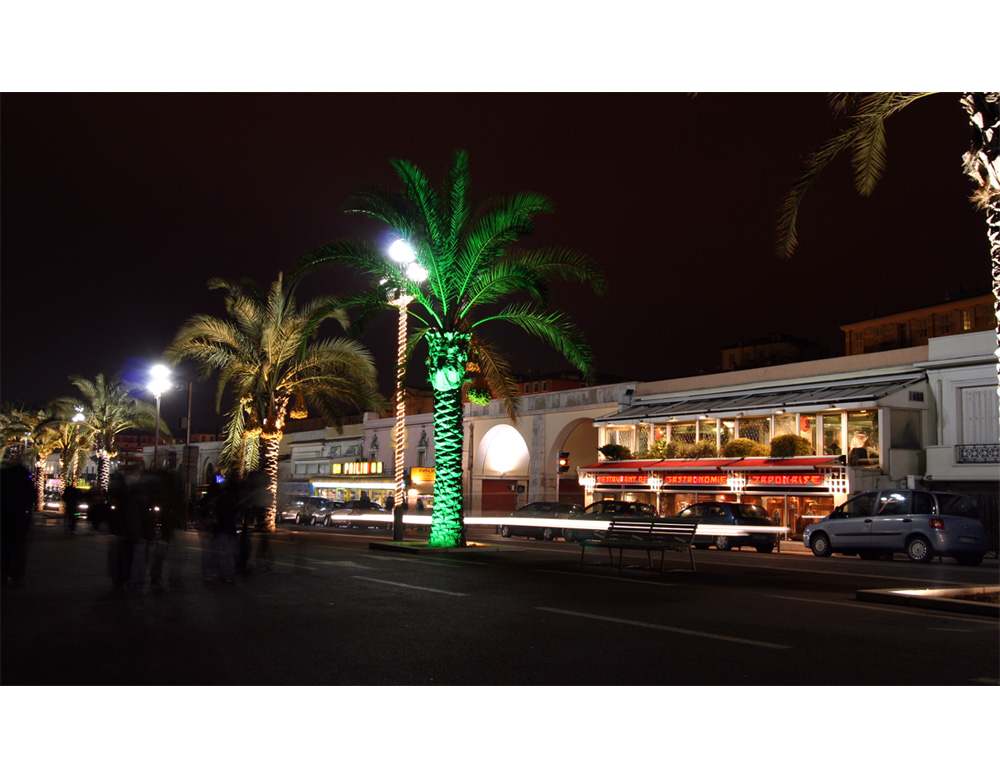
(650, 529)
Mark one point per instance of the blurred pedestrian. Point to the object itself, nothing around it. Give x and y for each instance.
(72, 499)
(17, 501)
(225, 539)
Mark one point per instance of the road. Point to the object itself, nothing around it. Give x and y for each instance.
(332, 611)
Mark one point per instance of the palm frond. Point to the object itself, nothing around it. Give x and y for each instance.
(864, 135)
(554, 328)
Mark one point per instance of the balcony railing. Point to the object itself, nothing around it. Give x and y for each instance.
(977, 453)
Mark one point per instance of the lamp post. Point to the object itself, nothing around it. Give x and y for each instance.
(402, 253)
(159, 381)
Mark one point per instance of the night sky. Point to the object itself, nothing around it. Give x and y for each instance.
(117, 209)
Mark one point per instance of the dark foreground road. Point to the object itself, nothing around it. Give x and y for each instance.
(333, 612)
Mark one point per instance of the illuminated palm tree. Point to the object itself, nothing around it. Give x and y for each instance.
(473, 271)
(108, 411)
(864, 136)
(36, 433)
(272, 365)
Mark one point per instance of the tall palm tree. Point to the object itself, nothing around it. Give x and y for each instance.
(109, 410)
(864, 136)
(35, 432)
(273, 365)
(473, 271)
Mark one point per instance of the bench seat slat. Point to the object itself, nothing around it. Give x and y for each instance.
(644, 534)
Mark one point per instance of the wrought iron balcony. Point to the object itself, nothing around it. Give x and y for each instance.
(977, 453)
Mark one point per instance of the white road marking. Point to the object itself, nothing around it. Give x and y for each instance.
(666, 628)
(615, 579)
(900, 609)
(405, 585)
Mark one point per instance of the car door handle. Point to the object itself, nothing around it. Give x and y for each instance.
(868, 521)
(907, 521)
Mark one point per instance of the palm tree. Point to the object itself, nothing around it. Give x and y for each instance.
(473, 270)
(864, 136)
(108, 411)
(273, 366)
(36, 433)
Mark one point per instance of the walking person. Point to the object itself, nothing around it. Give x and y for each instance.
(17, 501)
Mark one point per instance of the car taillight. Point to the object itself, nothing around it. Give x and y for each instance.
(937, 523)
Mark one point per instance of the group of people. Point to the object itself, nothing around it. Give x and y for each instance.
(228, 520)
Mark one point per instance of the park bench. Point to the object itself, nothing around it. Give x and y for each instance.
(644, 535)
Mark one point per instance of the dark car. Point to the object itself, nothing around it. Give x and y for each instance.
(603, 511)
(915, 522)
(730, 514)
(543, 529)
(368, 513)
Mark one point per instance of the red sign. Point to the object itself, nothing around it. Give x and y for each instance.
(630, 478)
(718, 479)
(787, 480)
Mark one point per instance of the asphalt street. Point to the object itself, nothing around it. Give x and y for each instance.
(329, 610)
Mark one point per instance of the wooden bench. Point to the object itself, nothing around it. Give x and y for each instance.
(644, 535)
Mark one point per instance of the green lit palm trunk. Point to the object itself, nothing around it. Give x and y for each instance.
(448, 354)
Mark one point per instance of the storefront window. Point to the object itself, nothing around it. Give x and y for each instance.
(863, 430)
(785, 424)
(641, 440)
(807, 430)
(726, 431)
(708, 430)
(756, 429)
(833, 440)
(683, 432)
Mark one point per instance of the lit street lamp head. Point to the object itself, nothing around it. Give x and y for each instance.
(401, 251)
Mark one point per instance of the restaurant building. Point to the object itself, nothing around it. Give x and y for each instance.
(865, 418)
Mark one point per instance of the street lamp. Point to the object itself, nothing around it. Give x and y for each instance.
(159, 381)
(402, 253)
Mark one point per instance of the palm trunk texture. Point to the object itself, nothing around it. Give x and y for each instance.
(448, 354)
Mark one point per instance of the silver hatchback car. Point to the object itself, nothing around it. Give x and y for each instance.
(919, 523)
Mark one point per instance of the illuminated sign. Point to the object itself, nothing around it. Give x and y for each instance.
(717, 479)
(422, 475)
(356, 469)
(631, 478)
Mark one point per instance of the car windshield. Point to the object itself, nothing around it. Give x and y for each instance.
(749, 512)
(958, 505)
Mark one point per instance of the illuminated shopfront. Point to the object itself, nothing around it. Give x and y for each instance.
(794, 491)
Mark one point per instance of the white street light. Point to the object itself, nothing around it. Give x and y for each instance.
(159, 381)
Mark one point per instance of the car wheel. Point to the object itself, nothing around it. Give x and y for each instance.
(505, 531)
(969, 559)
(765, 547)
(723, 543)
(549, 534)
(568, 536)
(919, 549)
(820, 545)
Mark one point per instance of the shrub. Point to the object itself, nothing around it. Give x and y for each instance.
(744, 448)
(790, 445)
(704, 448)
(615, 452)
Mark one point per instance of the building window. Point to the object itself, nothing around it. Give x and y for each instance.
(756, 429)
(966, 320)
(862, 430)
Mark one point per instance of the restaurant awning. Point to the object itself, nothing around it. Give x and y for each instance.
(715, 464)
(856, 392)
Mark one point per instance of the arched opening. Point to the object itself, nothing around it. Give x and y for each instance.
(503, 463)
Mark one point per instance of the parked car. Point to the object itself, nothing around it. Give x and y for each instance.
(321, 514)
(605, 510)
(919, 523)
(730, 514)
(366, 508)
(540, 510)
(299, 509)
